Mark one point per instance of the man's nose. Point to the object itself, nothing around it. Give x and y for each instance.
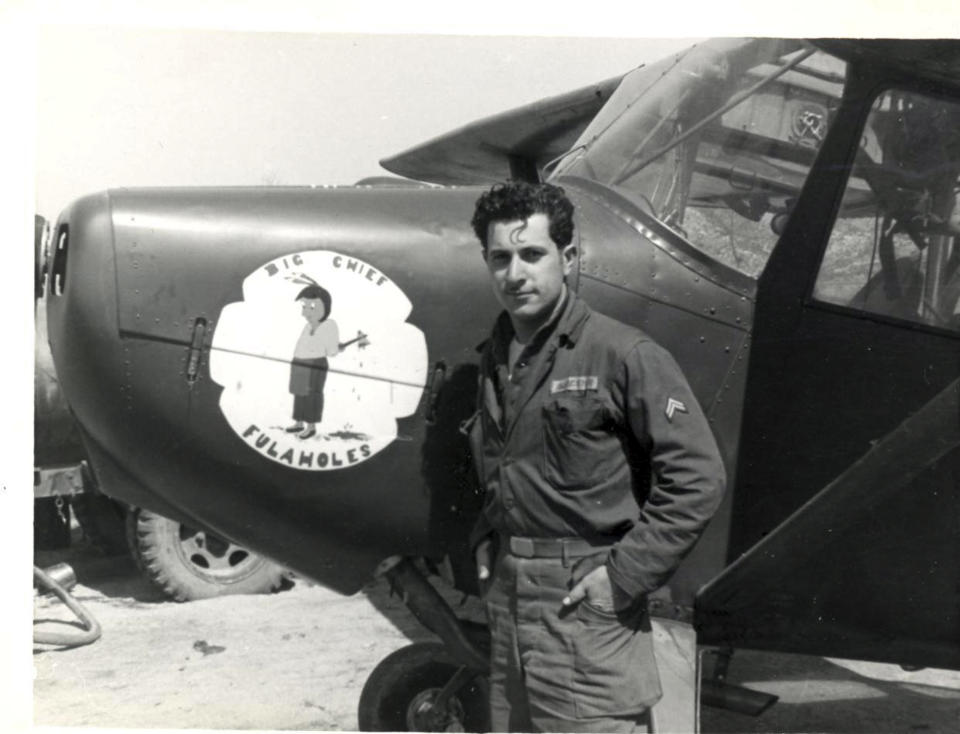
(515, 270)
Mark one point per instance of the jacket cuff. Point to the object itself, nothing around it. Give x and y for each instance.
(629, 584)
(482, 530)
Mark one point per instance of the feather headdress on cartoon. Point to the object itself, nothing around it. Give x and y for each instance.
(312, 289)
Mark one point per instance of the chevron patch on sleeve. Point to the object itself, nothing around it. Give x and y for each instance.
(675, 406)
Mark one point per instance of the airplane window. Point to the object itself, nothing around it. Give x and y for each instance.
(895, 249)
(716, 142)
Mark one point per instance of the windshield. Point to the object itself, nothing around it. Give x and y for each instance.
(717, 141)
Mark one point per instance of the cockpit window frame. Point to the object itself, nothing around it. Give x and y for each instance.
(810, 300)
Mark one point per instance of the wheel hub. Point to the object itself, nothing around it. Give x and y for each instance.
(423, 714)
(213, 557)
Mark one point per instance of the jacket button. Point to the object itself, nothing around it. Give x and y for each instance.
(508, 503)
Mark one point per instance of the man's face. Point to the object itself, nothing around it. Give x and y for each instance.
(313, 310)
(527, 268)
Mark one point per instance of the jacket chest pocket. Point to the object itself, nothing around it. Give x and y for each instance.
(576, 438)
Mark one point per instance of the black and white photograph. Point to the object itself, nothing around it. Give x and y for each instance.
(501, 372)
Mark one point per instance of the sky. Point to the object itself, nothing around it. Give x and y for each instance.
(102, 94)
(134, 107)
(137, 100)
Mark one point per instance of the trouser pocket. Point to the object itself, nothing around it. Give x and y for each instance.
(616, 672)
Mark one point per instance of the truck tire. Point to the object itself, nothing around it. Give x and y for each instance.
(187, 564)
(399, 691)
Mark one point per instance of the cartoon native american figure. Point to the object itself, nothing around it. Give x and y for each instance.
(318, 342)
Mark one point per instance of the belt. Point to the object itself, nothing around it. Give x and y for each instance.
(556, 547)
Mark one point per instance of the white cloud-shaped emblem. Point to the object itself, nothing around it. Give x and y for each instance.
(311, 395)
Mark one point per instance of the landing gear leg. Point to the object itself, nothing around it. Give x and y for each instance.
(429, 686)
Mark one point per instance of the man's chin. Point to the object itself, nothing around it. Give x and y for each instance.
(529, 315)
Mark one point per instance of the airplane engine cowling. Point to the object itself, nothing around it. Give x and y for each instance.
(177, 324)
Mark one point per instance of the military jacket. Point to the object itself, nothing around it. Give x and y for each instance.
(595, 434)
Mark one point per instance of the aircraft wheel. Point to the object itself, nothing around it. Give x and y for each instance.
(189, 564)
(399, 694)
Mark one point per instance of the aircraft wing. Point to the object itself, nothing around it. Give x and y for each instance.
(492, 148)
(936, 58)
(867, 569)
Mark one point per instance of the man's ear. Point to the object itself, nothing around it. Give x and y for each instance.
(483, 253)
(569, 256)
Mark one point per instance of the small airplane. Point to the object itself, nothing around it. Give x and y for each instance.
(780, 214)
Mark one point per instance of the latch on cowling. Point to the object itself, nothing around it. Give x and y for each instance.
(433, 395)
(196, 349)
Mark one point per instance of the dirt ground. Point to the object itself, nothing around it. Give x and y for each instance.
(298, 659)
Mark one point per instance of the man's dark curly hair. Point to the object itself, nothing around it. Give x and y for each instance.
(506, 202)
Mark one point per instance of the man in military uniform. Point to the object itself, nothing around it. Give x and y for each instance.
(599, 471)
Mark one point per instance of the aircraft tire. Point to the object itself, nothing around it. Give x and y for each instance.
(188, 564)
(395, 694)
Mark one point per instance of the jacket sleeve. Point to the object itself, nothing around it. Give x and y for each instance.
(472, 428)
(688, 473)
(482, 529)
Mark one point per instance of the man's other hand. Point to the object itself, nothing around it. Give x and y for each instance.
(597, 588)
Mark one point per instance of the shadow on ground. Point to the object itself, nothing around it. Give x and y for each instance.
(819, 695)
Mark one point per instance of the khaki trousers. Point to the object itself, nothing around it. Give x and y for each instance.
(580, 669)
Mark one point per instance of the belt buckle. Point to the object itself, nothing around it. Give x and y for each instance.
(523, 547)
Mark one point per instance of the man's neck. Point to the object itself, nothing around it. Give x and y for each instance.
(525, 331)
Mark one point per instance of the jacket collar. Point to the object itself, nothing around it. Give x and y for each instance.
(566, 327)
